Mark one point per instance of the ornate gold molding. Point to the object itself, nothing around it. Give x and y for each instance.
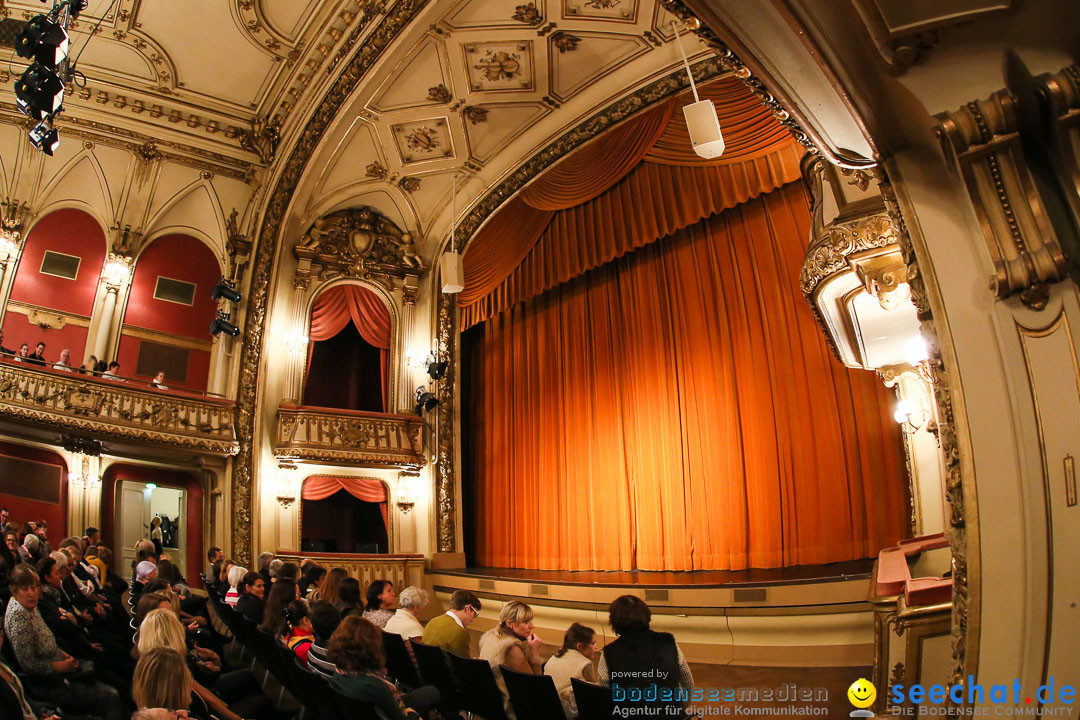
(982, 139)
(1060, 93)
(830, 253)
(956, 530)
(74, 402)
(348, 438)
(357, 242)
(445, 476)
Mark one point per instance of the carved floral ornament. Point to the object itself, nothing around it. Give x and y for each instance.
(357, 242)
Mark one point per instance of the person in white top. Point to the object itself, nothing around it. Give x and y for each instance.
(573, 660)
(64, 363)
(405, 621)
(113, 373)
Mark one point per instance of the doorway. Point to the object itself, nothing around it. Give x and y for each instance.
(138, 505)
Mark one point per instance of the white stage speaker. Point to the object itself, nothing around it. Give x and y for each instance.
(453, 277)
(704, 129)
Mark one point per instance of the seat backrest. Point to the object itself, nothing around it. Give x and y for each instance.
(593, 701)
(352, 708)
(399, 664)
(533, 697)
(434, 670)
(480, 694)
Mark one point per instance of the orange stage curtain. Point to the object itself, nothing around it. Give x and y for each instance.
(320, 487)
(500, 246)
(336, 307)
(652, 201)
(599, 164)
(678, 409)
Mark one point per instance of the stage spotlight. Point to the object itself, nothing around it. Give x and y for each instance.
(45, 138)
(221, 324)
(425, 400)
(224, 289)
(77, 6)
(435, 369)
(44, 41)
(39, 92)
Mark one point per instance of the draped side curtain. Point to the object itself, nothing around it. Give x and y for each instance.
(678, 409)
(320, 487)
(336, 307)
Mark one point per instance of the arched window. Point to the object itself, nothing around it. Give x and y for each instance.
(349, 355)
(168, 312)
(57, 274)
(344, 515)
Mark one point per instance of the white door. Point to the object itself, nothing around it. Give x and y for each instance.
(133, 519)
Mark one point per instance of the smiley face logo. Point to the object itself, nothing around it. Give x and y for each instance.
(862, 693)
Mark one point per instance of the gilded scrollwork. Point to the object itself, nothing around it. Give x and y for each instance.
(445, 485)
(343, 438)
(356, 242)
(829, 253)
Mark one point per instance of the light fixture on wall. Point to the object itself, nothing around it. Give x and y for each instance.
(221, 324)
(910, 415)
(296, 343)
(435, 369)
(701, 119)
(116, 271)
(406, 492)
(425, 400)
(225, 290)
(81, 475)
(286, 493)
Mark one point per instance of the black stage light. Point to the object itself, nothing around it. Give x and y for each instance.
(77, 6)
(43, 40)
(435, 369)
(221, 324)
(224, 290)
(39, 91)
(45, 138)
(425, 401)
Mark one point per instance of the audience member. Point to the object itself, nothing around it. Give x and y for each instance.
(23, 354)
(448, 630)
(287, 570)
(265, 558)
(639, 656)
(300, 634)
(4, 351)
(158, 382)
(236, 575)
(325, 619)
(272, 569)
(63, 363)
(514, 644)
(112, 372)
(214, 553)
(573, 660)
(356, 651)
(156, 535)
(30, 550)
(14, 701)
(328, 588)
(38, 356)
(380, 598)
(162, 680)
(146, 571)
(51, 672)
(281, 594)
(405, 621)
(349, 597)
(250, 602)
(309, 582)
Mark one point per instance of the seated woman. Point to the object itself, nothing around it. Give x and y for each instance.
(514, 644)
(349, 597)
(162, 680)
(250, 603)
(50, 672)
(236, 574)
(301, 634)
(640, 657)
(356, 650)
(573, 660)
(380, 600)
(281, 594)
(234, 694)
(14, 702)
(328, 588)
(309, 583)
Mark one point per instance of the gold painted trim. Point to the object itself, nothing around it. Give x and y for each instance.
(165, 338)
(27, 309)
(391, 510)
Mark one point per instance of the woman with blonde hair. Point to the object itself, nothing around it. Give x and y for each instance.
(514, 644)
(328, 588)
(162, 680)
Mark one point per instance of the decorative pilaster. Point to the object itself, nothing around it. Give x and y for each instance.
(115, 277)
(445, 476)
(15, 216)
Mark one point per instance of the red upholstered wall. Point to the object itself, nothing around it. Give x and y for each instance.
(68, 231)
(180, 257)
(22, 509)
(165, 478)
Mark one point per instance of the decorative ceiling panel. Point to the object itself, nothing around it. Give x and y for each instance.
(422, 79)
(357, 151)
(489, 14)
(497, 125)
(423, 140)
(500, 66)
(579, 59)
(618, 10)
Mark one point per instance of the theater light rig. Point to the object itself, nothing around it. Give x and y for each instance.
(39, 91)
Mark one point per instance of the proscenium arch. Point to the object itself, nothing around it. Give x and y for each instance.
(395, 329)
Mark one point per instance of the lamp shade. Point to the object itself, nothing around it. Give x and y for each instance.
(453, 277)
(704, 127)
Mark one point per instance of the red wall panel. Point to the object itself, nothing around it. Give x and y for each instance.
(23, 509)
(179, 257)
(198, 365)
(18, 329)
(68, 231)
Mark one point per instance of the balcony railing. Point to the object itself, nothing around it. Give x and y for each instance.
(348, 437)
(402, 569)
(72, 401)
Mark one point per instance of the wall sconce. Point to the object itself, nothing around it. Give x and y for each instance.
(910, 416)
(406, 493)
(116, 271)
(82, 477)
(8, 246)
(296, 343)
(286, 494)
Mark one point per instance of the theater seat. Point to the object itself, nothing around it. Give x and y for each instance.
(593, 701)
(479, 693)
(533, 697)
